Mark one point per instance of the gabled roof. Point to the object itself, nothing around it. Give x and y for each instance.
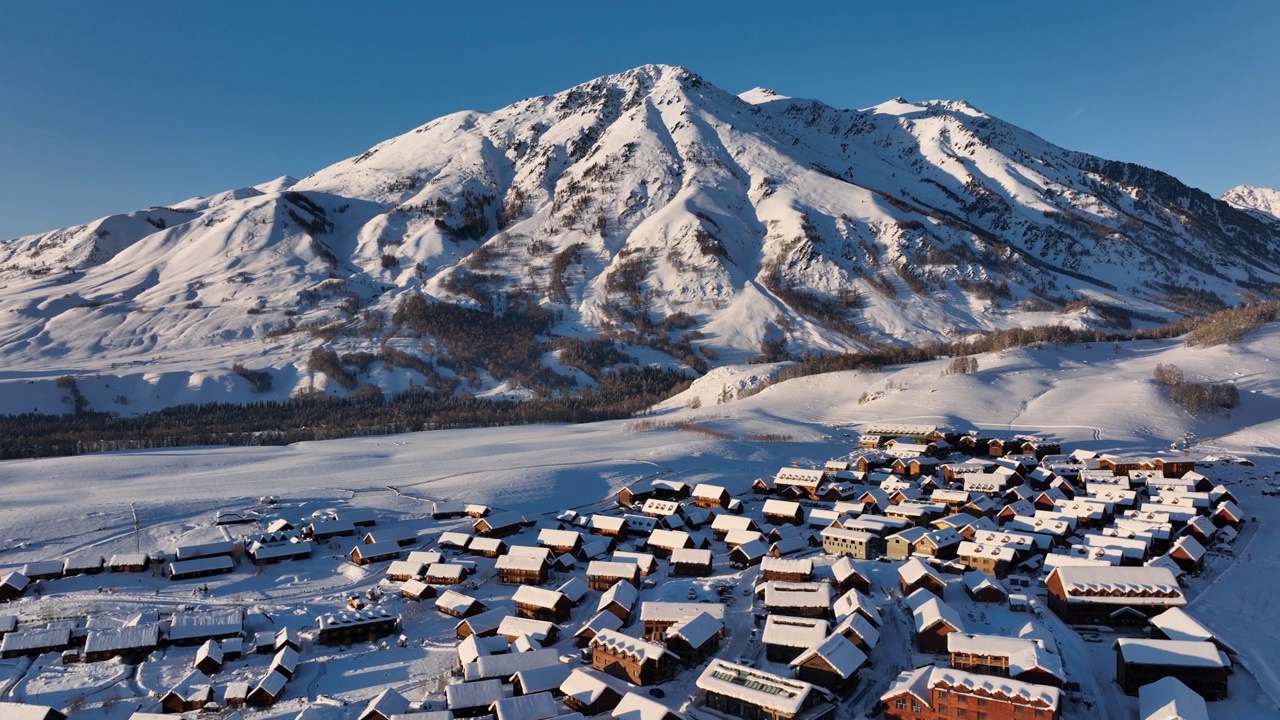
(793, 632)
(1177, 624)
(1169, 699)
(621, 592)
(933, 611)
(696, 630)
(538, 597)
(635, 706)
(843, 656)
(757, 687)
(914, 569)
(616, 642)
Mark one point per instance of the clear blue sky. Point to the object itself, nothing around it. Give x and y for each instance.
(107, 107)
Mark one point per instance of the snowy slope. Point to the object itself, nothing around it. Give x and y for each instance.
(1099, 398)
(1263, 203)
(617, 204)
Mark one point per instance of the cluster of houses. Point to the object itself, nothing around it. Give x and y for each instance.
(1110, 535)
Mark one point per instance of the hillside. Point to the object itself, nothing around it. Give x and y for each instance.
(693, 227)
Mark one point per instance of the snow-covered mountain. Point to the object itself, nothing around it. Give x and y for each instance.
(694, 225)
(1263, 203)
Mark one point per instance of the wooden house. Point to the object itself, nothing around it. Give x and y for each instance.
(706, 495)
(444, 574)
(201, 567)
(458, 605)
(416, 590)
(607, 526)
(785, 637)
(592, 692)
(859, 631)
(786, 570)
(983, 588)
(1199, 665)
(129, 562)
(473, 699)
(384, 705)
(1008, 657)
(639, 662)
(500, 525)
(915, 574)
(602, 574)
(489, 547)
(620, 600)
(560, 541)
(689, 562)
(662, 542)
(804, 599)
(12, 585)
(209, 658)
(353, 627)
(934, 621)
(268, 690)
(779, 512)
(847, 577)
(131, 642)
(832, 664)
(695, 639)
(376, 552)
(1112, 595)
(603, 620)
(942, 543)
(512, 569)
(658, 617)
(541, 604)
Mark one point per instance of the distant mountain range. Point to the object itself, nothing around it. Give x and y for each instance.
(692, 226)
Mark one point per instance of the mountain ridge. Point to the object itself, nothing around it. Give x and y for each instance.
(692, 226)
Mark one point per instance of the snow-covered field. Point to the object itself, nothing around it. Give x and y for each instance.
(1098, 398)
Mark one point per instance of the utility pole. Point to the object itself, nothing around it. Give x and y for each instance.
(137, 529)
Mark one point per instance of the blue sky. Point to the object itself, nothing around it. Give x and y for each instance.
(107, 107)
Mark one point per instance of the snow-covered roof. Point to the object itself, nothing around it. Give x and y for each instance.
(976, 580)
(691, 556)
(587, 685)
(543, 678)
(854, 602)
(602, 620)
(356, 617)
(537, 597)
(843, 656)
(706, 490)
(645, 561)
(612, 569)
(793, 632)
(519, 562)
(575, 588)
(24, 711)
(480, 693)
(696, 630)
(1120, 584)
(786, 565)
(455, 601)
(1023, 654)
(387, 703)
(786, 508)
(218, 563)
(858, 536)
(122, 638)
(1176, 624)
(914, 569)
(512, 626)
(618, 643)
(206, 623)
(861, 627)
(669, 539)
(1183, 653)
(974, 550)
(805, 477)
(635, 706)
(621, 592)
(508, 664)
(1169, 699)
(789, 594)
(726, 523)
(933, 611)
(961, 681)
(445, 571)
(651, 611)
(474, 646)
(535, 706)
(654, 506)
(35, 639)
(559, 538)
(756, 687)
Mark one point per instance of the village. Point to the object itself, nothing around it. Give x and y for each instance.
(925, 574)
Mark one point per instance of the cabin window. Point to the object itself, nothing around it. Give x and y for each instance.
(900, 703)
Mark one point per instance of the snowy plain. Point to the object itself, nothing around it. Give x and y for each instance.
(1098, 397)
